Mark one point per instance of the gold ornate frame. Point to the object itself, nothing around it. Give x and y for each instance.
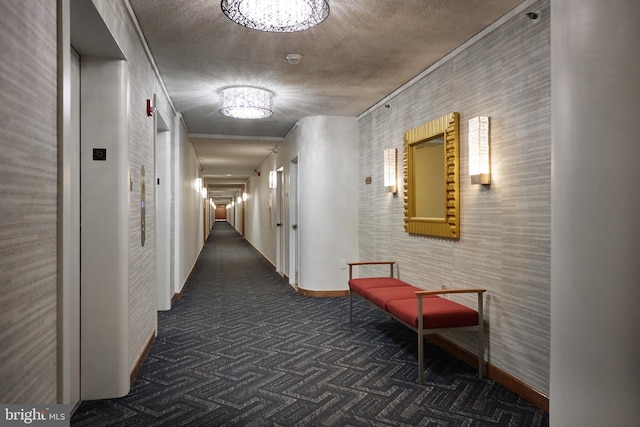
(449, 225)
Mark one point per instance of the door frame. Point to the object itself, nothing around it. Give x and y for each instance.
(294, 242)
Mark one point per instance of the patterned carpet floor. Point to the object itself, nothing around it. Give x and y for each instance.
(242, 348)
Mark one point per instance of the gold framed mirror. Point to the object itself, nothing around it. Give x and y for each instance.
(432, 178)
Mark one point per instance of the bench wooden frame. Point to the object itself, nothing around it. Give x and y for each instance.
(421, 329)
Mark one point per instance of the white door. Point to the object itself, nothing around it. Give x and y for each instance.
(294, 271)
(163, 213)
(280, 227)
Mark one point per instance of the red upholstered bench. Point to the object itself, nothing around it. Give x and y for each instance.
(403, 302)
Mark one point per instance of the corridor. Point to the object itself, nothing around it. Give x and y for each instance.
(242, 348)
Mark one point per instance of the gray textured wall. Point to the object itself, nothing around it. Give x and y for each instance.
(505, 229)
(28, 209)
(142, 296)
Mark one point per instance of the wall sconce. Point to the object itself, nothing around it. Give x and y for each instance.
(198, 185)
(239, 200)
(204, 192)
(479, 160)
(244, 197)
(273, 179)
(390, 170)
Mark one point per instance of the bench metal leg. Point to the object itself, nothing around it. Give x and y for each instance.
(480, 337)
(420, 343)
(420, 358)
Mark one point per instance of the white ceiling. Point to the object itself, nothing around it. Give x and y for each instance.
(361, 53)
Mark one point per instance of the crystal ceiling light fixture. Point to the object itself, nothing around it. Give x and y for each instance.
(276, 16)
(245, 102)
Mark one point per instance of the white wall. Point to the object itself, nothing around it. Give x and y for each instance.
(328, 200)
(595, 280)
(238, 212)
(327, 152)
(260, 226)
(190, 226)
(329, 145)
(105, 228)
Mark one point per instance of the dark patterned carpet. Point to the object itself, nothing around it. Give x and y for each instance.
(241, 348)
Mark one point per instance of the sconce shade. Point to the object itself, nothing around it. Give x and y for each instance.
(273, 179)
(276, 16)
(390, 170)
(245, 102)
(479, 156)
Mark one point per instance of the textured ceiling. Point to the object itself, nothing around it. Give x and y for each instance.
(362, 52)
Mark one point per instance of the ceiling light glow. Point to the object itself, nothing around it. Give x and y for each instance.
(276, 16)
(244, 102)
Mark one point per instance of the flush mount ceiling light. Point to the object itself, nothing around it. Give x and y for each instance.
(245, 102)
(276, 16)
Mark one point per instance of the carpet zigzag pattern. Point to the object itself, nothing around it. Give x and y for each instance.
(241, 348)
